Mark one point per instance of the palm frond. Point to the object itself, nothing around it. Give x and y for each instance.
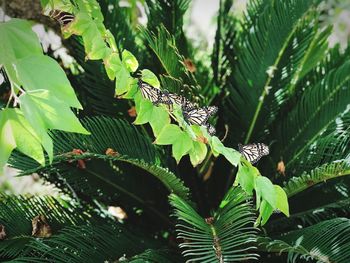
(316, 123)
(17, 213)
(86, 243)
(310, 217)
(223, 57)
(156, 256)
(324, 242)
(318, 175)
(113, 173)
(228, 236)
(119, 20)
(170, 14)
(270, 31)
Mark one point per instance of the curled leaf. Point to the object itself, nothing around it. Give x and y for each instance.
(2, 232)
(41, 227)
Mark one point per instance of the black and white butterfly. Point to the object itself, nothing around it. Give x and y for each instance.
(198, 116)
(253, 152)
(210, 128)
(149, 92)
(179, 100)
(62, 17)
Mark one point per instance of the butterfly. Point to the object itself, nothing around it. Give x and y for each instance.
(198, 116)
(149, 92)
(253, 152)
(179, 100)
(210, 128)
(64, 18)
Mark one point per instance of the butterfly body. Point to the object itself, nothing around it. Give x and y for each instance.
(253, 152)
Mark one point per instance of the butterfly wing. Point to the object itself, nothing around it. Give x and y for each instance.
(197, 116)
(253, 152)
(211, 129)
(250, 152)
(149, 92)
(64, 18)
(211, 110)
(263, 149)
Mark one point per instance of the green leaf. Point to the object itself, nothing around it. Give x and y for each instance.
(172, 135)
(16, 132)
(130, 61)
(266, 211)
(169, 135)
(198, 153)
(246, 178)
(17, 41)
(230, 154)
(281, 200)
(159, 118)
(112, 64)
(43, 72)
(265, 190)
(91, 32)
(43, 110)
(115, 68)
(149, 77)
(144, 110)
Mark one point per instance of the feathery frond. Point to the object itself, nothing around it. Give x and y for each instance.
(325, 242)
(226, 237)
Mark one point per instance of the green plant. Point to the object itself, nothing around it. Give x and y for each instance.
(274, 80)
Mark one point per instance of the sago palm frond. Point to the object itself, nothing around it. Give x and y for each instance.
(114, 172)
(17, 213)
(324, 242)
(310, 217)
(269, 31)
(317, 175)
(228, 236)
(86, 243)
(316, 115)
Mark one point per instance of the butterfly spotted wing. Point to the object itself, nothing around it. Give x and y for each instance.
(64, 18)
(253, 152)
(149, 92)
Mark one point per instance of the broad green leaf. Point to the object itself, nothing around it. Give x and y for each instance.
(44, 110)
(116, 69)
(266, 211)
(281, 200)
(112, 64)
(91, 32)
(182, 146)
(150, 78)
(131, 93)
(43, 72)
(181, 142)
(130, 61)
(159, 118)
(230, 154)
(265, 191)
(144, 110)
(16, 132)
(17, 41)
(169, 134)
(198, 153)
(246, 178)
